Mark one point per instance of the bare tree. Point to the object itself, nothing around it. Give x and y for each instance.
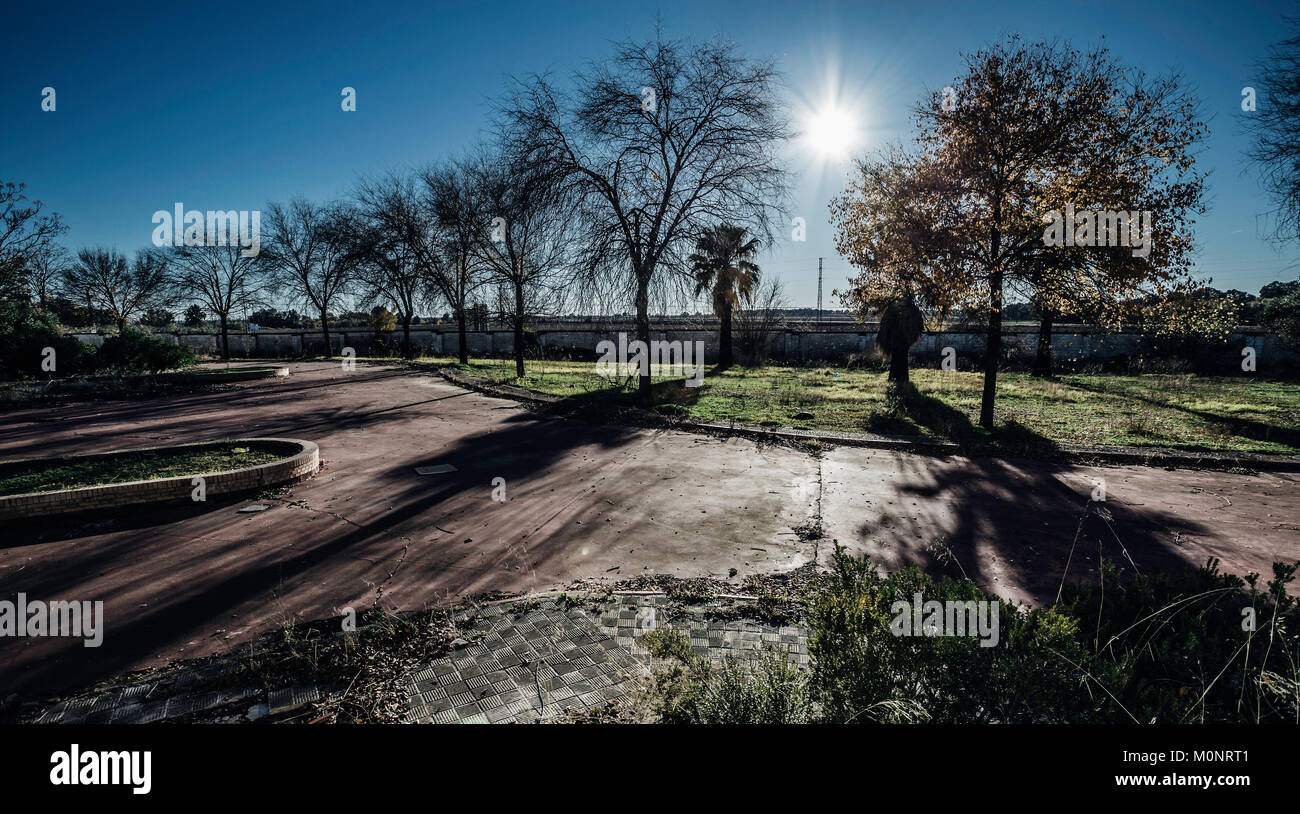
(391, 237)
(24, 232)
(46, 269)
(222, 279)
(308, 251)
(1276, 128)
(527, 245)
(656, 143)
(757, 318)
(458, 223)
(103, 279)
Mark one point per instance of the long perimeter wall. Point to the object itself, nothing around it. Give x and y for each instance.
(830, 343)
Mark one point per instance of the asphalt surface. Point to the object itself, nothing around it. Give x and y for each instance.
(580, 501)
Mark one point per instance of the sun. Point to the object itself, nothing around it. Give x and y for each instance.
(832, 132)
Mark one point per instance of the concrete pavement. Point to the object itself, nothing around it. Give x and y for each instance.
(582, 501)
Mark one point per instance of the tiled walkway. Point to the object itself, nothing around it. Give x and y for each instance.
(551, 657)
(524, 661)
(524, 668)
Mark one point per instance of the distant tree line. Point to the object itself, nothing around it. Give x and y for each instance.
(604, 194)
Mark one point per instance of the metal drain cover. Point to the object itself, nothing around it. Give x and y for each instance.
(437, 469)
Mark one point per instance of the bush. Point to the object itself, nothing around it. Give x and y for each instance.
(24, 336)
(1282, 317)
(862, 671)
(135, 350)
(1199, 647)
(692, 690)
(1178, 649)
(381, 320)
(157, 318)
(532, 344)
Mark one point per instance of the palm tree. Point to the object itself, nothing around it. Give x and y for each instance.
(723, 261)
(901, 324)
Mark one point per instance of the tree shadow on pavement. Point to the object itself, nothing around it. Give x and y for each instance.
(220, 572)
(1019, 527)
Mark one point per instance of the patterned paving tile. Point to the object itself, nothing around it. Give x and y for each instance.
(521, 665)
(551, 659)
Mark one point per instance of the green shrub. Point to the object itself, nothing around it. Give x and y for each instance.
(692, 690)
(862, 671)
(24, 336)
(1186, 647)
(135, 350)
(1177, 647)
(1282, 317)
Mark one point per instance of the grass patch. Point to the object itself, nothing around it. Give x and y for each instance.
(1179, 411)
(49, 476)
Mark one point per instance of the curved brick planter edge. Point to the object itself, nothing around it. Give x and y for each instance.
(292, 469)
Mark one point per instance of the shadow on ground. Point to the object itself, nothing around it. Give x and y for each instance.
(214, 573)
(1018, 527)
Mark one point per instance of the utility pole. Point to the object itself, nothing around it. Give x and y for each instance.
(819, 291)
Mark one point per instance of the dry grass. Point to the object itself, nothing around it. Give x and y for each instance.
(1178, 410)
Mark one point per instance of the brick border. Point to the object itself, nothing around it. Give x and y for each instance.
(294, 468)
(469, 382)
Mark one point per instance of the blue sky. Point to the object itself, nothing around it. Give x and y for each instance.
(229, 105)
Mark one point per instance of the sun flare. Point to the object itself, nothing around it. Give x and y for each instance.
(832, 132)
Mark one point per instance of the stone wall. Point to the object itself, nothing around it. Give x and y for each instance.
(834, 342)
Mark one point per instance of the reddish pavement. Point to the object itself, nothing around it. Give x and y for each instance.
(582, 501)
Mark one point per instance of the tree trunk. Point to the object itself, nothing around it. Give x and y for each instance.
(643, 334)
(1043, 358)
(725, 358)
(406, 335)
(992, 348)
(519, 328)
(325, 332)
(898, 367)
(463, 334)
